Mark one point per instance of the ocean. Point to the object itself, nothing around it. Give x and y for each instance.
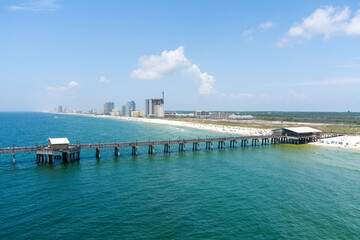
(266, 192)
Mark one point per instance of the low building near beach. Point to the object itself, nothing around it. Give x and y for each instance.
(139, 113)
(241, 117)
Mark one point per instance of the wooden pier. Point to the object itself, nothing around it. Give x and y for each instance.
(71, 152)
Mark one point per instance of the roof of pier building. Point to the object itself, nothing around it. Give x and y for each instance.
(303, 130)
(297, 131)
(58, 141)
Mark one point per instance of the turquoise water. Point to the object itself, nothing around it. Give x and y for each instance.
(272, 192)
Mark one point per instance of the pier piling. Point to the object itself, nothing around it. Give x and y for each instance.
(116, 152)
(134, 151)
(98, 153)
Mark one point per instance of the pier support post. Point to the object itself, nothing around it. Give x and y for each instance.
(98, 153)
(209, 146)
(151, 149)
(13, 158)
(181, 147)
(65, 157)
(116, 152)
(51, 159)
(167, 148)
(134, 151)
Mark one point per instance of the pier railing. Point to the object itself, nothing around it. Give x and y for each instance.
(72, 151)
(132, 144)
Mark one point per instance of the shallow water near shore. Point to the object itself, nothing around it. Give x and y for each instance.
(269, 192)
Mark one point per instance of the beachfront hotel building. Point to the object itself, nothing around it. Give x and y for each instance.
(123, 110)
(108, 107)
(130, 106)
(157, 108)
(147, 107)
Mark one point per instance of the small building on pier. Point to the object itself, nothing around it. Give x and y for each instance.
(58, 143)
(299, 135)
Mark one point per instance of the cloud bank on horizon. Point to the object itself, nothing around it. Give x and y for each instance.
(328, 21)
(158, 66)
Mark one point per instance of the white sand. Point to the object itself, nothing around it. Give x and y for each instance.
(209, 127)
(346, 142)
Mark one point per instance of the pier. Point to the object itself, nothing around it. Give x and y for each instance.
(61, 148)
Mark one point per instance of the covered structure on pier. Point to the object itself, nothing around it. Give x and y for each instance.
(299, 135)
(58, 143)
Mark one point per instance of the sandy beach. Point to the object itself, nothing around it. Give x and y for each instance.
(210, 127)
(344, 142)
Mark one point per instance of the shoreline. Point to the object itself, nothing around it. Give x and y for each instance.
(342, 142)
(246, 131)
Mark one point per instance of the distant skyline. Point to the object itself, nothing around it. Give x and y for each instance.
(205, 55)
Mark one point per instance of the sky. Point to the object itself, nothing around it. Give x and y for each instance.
(206, 55)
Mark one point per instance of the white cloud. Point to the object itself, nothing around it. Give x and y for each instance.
(158, 66)
(155, 67)
(354, 66)
(59, 90)
(248, 34)
(206, 80)
(294, 95)
(290, 95)
(239, 95)
(104, 80)
(266, 25)
(336, 81)
(327, 22)
(36, 6)
(353, 28)
(73, 84)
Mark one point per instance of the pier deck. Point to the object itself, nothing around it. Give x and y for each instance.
(72, 152)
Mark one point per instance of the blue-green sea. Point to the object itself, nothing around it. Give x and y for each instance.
(270, 192)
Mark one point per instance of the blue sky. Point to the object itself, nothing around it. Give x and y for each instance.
(206, 55)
